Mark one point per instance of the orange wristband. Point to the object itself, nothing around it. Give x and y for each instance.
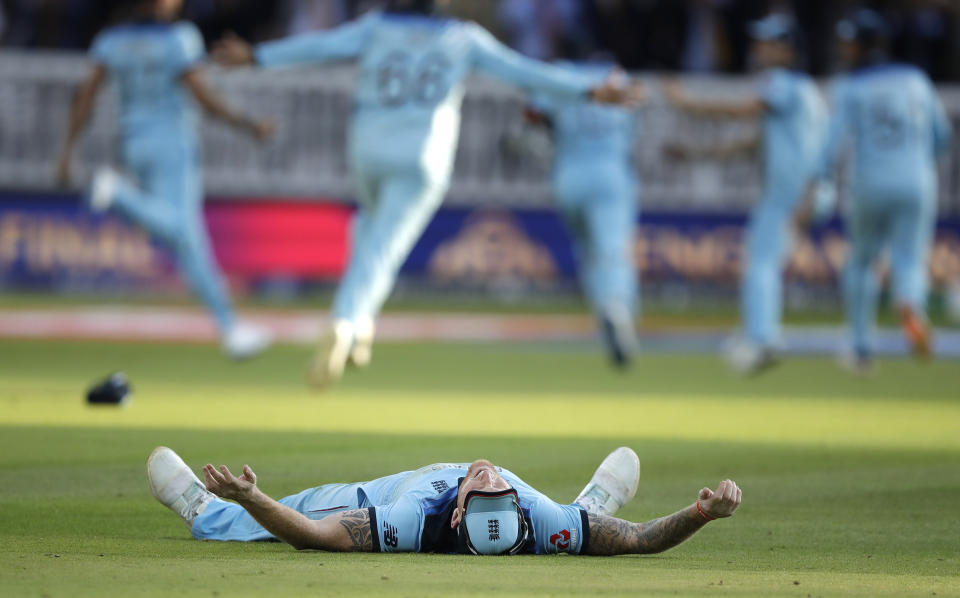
(704, 513)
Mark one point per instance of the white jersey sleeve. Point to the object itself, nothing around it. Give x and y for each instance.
(492, 58)
(397, 527)
(188, 49)
(100, 50)
(342, 43)
(558, 528)
(778, 92)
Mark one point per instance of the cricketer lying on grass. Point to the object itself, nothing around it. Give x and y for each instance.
(475, 508)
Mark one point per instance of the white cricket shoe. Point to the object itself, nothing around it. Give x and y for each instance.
(362, 352)
(613, 484)
(333, 350)
(176, 486)
(748, 358)
(245, 341)
(103, 188)
(858, 363)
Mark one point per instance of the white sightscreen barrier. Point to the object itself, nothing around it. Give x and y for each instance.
(312, 108)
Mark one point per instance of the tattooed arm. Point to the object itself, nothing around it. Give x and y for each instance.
(611, 536)
(344, 532)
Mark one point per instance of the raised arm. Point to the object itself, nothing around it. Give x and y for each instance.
(214, 105)
(749, 108)
(342, 43)
(344, 532)
(500, 62)
(749, 144)
(80, 112)
(822, 190)
(611, 536)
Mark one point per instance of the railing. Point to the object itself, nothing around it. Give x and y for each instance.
(307, 157)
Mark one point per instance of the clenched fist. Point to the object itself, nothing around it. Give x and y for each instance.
(721, 502)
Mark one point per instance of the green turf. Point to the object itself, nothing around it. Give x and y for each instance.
(849, 485)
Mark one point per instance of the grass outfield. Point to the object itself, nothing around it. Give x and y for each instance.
(850, 486)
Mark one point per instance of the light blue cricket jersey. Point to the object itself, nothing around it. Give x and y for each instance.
(587, 134)
(147, 61)
(794, 133)
(411, 511)
(897, 126)
(410, 82)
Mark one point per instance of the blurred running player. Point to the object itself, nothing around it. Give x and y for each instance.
(155, 65)
(403, 139)
(596, 190)
(794, 130)
(897, 128)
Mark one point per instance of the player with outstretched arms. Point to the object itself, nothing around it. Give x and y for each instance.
(896, 127)
(595, 187)
(403, 138)
(795, 120)
(155, 64)
(466, 508)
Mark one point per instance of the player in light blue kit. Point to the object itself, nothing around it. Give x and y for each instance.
(403, 139)
(154, 63)
(596, 189)
(467, 508)
(794, 131)
(890, 116)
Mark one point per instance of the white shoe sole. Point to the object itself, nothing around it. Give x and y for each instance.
(175, 485)
(614, 483)
(362, 352)
(102, 190)
(255, 342)
(361, 355)
(333, 350)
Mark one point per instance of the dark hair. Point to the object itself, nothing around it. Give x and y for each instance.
(872, 32)
(419, 6)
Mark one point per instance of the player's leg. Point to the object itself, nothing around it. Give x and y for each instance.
(396, 219)
(761, 288)
(609, 269)
(181, 187)
(174, 484)
(868, 229)
(912, 233)
(613, 484)
(137, 203)
(572, 212)
(180, 184)
(229, 522)
(339, 339)
(362, 329)
(405, 207)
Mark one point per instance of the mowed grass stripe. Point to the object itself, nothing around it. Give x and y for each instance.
(910, 424)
